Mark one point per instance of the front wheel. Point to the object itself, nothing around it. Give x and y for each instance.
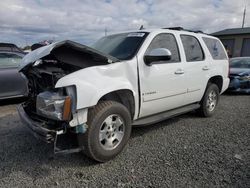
(209, 101)
(109, 128)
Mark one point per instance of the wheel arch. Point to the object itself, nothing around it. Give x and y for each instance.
(217, 80)
(123, 96)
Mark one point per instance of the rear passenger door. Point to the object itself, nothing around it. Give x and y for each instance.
(196, 68)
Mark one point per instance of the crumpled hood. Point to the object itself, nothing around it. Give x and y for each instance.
(46, 50)
(239, 71)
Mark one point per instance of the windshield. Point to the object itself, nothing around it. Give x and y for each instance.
(9, 60)
(240, 63)
(122, 46)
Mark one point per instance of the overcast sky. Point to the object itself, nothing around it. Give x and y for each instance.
(28, 21)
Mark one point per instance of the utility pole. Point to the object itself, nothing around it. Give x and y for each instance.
(244, 16)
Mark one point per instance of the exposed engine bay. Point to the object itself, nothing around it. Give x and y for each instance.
(45, 66)
(52, 110)
(44, 74)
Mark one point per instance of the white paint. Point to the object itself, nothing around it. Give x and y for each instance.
(79, 117)
(161, 89)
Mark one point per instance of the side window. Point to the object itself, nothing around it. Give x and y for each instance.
(167, 41)
(8, 60)
(215, 48)
(192, 48)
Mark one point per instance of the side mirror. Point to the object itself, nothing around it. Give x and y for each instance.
(158, 54)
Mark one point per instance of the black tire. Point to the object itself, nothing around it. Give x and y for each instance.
(92, 147)
(205, 110)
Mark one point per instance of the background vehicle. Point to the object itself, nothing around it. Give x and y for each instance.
(239, 75)
(12, 83)
(128, 79)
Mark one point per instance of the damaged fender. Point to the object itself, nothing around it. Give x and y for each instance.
(92, 73)
(94, 82)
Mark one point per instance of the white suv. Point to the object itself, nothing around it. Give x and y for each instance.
(129, 79)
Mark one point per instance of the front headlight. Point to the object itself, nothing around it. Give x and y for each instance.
(53, 105)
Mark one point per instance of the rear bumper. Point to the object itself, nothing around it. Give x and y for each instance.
(36, 128)
(225, 84)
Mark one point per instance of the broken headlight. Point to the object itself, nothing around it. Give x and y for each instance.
(53, 105)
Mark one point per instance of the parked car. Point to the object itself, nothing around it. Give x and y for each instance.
(239, 75)
(128, 79)
(12, 82)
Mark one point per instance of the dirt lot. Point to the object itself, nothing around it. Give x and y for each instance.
(186, 151)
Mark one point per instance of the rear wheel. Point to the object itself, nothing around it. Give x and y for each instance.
(209, 101)
(109, 128)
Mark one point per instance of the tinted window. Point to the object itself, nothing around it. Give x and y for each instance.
(192, 47)
(8, 60)
(122, 46)
(240, 63)
(229, 46)
(167, 41)
(215, 48)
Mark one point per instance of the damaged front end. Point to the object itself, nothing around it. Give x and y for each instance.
(51, 112)
(239, 80)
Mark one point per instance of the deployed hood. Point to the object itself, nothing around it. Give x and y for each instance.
(239, 71)
(68, 52)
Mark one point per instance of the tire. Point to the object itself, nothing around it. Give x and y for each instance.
(209, 101)
(109, 128)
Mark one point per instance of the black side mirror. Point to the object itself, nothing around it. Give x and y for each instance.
(156, 55)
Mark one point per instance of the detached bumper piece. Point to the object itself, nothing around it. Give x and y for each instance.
(36, 128)
(64, 142)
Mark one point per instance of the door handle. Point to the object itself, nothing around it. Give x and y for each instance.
(179, 71)
(205, 68)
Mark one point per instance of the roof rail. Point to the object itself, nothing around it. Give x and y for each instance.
(175, 28)
(182, 29)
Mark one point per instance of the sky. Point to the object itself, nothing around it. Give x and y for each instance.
(25, 22)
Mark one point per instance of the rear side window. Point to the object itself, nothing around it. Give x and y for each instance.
(215, 48)
(192, 47)
(168, 41)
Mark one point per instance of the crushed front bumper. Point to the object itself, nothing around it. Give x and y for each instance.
(40, 131)
(237, 85)
(36, 128)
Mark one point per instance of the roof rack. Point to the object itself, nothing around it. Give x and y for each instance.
(182, 29)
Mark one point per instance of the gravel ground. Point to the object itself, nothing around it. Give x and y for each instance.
(185, 151)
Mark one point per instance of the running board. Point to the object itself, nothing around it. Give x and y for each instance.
(165, 115)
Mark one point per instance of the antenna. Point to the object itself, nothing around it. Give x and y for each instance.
(244, 16)
(141, 28)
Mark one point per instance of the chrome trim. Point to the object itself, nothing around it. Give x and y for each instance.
(164, 97)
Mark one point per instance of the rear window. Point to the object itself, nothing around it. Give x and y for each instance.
(215, 48)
